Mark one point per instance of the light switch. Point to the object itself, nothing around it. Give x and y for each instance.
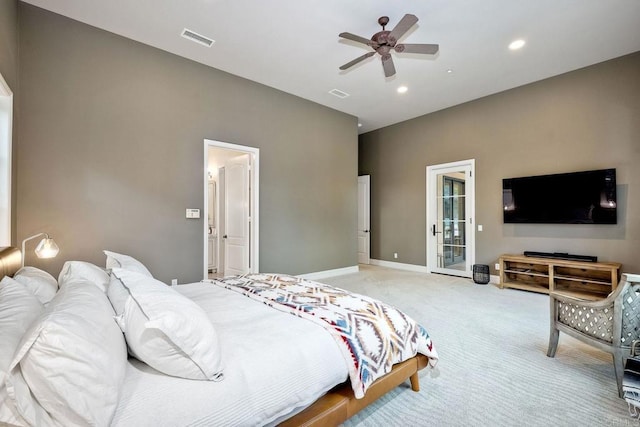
(193, 213)
(479, 227)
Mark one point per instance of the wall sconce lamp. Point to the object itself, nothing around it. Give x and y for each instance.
(47, 248)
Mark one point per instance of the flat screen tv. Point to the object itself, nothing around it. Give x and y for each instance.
(587, 197)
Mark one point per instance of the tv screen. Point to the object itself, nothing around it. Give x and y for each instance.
(587, 197)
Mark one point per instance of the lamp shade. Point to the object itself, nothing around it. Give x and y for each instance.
(47, 248)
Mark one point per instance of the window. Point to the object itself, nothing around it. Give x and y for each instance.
(6, 119)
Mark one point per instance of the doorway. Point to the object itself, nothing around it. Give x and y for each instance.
(231, 198)
(450, 213)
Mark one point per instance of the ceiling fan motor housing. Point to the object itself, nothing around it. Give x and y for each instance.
(381, 38)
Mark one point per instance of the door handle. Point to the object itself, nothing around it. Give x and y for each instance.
(224, 237)
(433, 230)
(366, 231)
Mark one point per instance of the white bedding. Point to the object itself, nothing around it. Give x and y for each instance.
(275, 364)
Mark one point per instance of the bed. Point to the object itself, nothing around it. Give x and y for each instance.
(267, 366)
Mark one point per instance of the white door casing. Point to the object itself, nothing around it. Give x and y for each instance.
(253, 157)
(450, 218)
(364, 219)
(238, 221)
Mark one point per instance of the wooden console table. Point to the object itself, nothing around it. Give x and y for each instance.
(586, 280)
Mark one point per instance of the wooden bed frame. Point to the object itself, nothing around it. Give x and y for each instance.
(333, 408)
(340, 404)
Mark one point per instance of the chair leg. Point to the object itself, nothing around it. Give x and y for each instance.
(554, 334)
(618, 367)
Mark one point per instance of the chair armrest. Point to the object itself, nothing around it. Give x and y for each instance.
(599, 304)
(635, 278)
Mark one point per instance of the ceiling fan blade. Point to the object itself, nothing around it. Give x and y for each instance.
(429, 49)
(358, 59)
(387, 65)
(355, 38)
(403, 26)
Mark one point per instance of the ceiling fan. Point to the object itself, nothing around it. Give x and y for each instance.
(384, 41)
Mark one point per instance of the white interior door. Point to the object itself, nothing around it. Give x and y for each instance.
(450, 213)
(364, 219)
(237, 219)
(221, 223)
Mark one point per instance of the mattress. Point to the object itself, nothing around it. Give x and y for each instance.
(275, 364)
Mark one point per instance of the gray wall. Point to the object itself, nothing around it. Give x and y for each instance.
(586, 119)
(111, 153)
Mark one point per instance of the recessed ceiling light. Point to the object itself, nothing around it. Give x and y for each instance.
(516, 44)
(359, 125)
(449, 71)
(402, 89)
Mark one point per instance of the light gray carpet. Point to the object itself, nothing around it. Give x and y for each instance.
(493, 368)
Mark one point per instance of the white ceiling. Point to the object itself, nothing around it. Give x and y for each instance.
(293, 45)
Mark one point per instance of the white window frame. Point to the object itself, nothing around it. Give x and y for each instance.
(6, 128)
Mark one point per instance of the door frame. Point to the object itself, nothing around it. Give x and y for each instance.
(254, 211)
(432, 216)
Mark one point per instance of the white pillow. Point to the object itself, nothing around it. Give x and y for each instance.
(18, 309)
(73, 358)
(167, 330)
(118, 296)
(73, 270)
(115, 260)
(43, 285)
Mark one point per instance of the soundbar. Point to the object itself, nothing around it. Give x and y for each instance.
(561, 255)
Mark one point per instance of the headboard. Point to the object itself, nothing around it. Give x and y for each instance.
(10, 261)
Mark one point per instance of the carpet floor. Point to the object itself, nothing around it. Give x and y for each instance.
(493, 368)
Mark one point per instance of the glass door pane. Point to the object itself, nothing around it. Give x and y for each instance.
(451, 236)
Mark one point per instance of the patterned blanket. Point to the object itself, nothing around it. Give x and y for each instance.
(371, 335)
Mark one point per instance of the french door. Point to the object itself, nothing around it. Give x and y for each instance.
(450, 211)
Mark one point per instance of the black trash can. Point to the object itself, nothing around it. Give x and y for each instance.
(481, 274)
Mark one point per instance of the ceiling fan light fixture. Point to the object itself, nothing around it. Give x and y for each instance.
(516, 44)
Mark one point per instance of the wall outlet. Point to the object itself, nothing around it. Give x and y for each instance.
(395, 255)
(174, 282)
(497, 266)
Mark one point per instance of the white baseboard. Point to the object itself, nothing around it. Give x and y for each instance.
(330, 273)
(399, 265)
(418, 268)
(318, 275)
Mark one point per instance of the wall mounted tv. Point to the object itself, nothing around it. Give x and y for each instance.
(587, 197)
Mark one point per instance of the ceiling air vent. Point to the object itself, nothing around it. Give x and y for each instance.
(338, 93)
(198, 38)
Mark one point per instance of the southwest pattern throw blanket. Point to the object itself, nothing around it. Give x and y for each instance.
(371, 335)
